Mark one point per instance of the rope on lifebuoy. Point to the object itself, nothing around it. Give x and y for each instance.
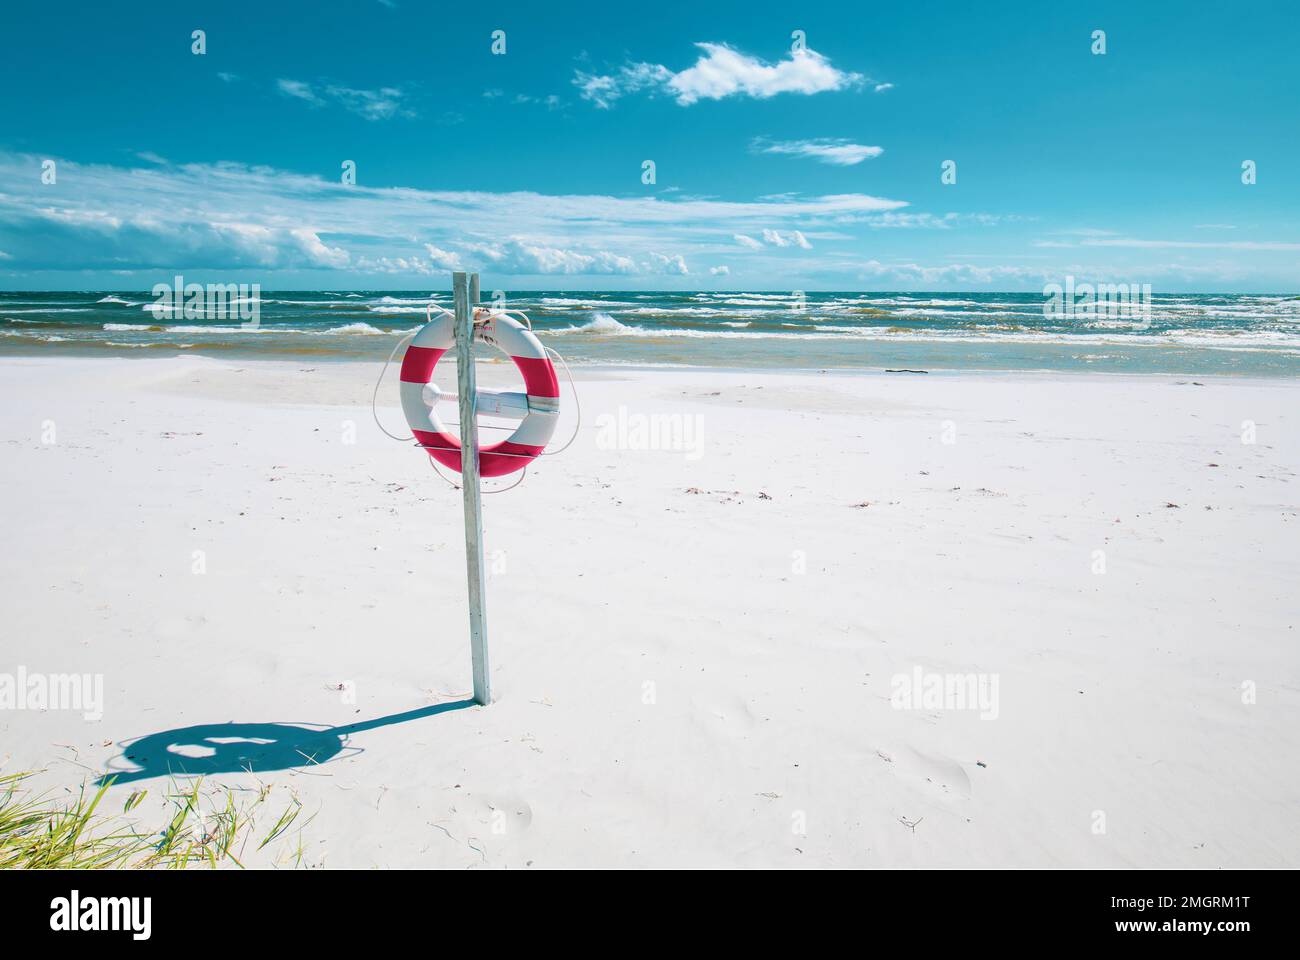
(577, 406)
(374, 397)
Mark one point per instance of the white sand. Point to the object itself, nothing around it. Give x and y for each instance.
(329, 562)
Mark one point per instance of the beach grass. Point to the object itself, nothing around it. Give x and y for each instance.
(202, 828)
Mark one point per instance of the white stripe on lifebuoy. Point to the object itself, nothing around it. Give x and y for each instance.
(543, 391)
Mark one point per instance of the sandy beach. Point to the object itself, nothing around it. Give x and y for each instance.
(698, 615)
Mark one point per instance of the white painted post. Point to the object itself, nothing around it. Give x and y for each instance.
(466, 293)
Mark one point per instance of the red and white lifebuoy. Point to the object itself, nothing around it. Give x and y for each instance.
(539, 406)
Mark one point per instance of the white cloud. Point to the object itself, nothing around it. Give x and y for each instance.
(97, 219)
(530, 257)
(720, 271)
(443, 259)
(260, 245)
(299, 90)
(661, 263)
(775, 238)
(381, 104)
(721, 71)
(521, 256)
(378, 104)
(550, 101)
(604, 90)
(318, 254)
(909, 221)
(838, 152)
(882, 87)
(941, 275)
(398, 266)
(932, 221)
(600, 90)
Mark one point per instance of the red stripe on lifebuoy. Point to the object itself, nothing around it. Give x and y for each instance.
(539, 376)
(494, 461)
(418, 364)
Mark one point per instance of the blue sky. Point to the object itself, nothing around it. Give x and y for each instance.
(776, 168)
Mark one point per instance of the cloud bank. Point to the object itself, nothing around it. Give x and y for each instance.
(235, 217)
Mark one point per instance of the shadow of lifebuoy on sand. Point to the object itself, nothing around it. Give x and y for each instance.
(212, 748)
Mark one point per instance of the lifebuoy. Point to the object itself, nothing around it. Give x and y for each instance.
(539, 405)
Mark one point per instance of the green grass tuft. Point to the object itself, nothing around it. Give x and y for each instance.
(37, 833)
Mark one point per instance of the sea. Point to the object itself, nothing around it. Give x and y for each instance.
(1192, 334)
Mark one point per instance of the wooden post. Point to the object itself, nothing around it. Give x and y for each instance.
(465, 291)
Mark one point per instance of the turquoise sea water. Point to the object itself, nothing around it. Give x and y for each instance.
(1254, 335)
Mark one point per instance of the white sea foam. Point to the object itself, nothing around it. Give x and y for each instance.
(352, 328)
(679, 312)
(30, 335)
(56, 310)
(604, 325)
(349, 328)
(396, 308)
(585, 304)
(194, 328)
(758, 297)
(600, 323)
